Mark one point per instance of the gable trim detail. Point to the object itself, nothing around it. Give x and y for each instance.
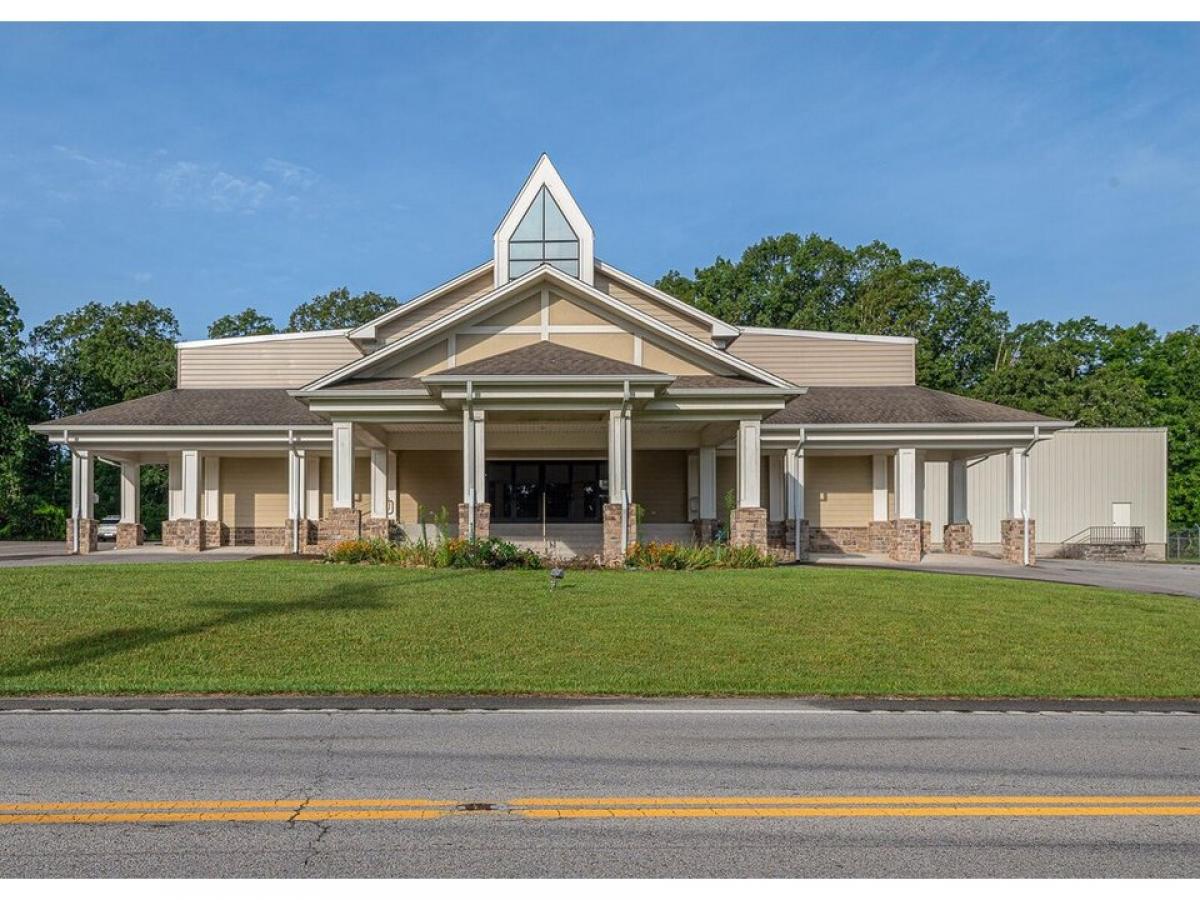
(367, 331)
(549, 274)
(720, 328)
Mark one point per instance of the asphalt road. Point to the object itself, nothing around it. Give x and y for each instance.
(705, 789)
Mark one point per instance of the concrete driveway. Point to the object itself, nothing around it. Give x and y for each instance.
(1147, 577)
(54, 553)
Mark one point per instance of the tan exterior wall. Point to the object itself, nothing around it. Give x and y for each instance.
(614, 346)
(473, 347)
(837, 491)
(1074, 478)
(429, 478)
(523, 312)
(566, 312)
(436, 308)
(279, 364)
(660, 484)
(660, 359)
(424, 362)
(362, 484)
(254, 491)
(653, 307)
(829, 361)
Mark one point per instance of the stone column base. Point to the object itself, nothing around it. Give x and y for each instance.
(958, 537)
(307, 533)
(89, 538)
(483, 521)
(186, 535)
(880, 535)
(777, 534)
(339, 525)
(1012, 541)
(611, 554)
(910, 540)
(130, 535)
(748, 527)
(790, 538)
(377, 529)
(704, 530)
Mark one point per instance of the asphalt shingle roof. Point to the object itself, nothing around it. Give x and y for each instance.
(898, 405)
(547, 358)
(201, 406)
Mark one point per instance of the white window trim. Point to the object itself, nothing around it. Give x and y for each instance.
(544, 175)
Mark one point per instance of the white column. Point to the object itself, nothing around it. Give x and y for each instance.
(190, 479)
(795, 472)
(174, 487)
(212, 488)
(131, 493)
(910, 483)
(708, 482)
(749, 463)
(83, 486)
(312, 487)
(474, 456)
(879, 487)
(958, 490)
(379, 482)
(393, 487)
(776, 488)
(693, 485)
(620, 456)
(297, 484)
(343, 465)
(1014, 484)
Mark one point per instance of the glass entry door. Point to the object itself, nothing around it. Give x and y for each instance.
(563, 490)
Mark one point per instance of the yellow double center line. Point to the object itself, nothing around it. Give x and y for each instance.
(649, 807)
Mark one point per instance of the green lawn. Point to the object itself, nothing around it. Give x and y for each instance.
(278, 626)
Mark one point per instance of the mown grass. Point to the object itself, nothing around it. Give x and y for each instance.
(287, 627)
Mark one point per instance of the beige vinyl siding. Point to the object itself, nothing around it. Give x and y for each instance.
(837, 491)
(808, 361)
(288, 363)
(1074, 478)
(430, 479)
(254, 491)
(423, 362)
(652, 306)
(436, 308)
(660, 484)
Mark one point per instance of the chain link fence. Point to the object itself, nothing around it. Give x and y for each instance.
(1184, 543)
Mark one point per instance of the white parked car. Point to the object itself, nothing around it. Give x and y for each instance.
(107, 529)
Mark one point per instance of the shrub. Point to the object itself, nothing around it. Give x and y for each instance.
(454, 553)
(654, 555)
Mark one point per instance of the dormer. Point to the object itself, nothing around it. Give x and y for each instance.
(544, 225)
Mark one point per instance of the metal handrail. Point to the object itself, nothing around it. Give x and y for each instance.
(1134, 535)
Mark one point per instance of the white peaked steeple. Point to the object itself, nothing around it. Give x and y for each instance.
(544, 225)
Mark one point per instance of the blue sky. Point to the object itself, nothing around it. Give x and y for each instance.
(214, 167)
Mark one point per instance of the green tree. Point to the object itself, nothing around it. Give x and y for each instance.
(97, 355)
(338, 309)
(26, 461)
(815, 283)
(249, 321)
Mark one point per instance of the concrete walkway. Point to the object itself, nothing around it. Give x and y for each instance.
(15, 554)
(1147, 577)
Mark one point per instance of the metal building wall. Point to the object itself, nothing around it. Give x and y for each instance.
(1074, 479)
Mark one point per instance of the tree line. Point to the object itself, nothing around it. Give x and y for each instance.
(1080, 369)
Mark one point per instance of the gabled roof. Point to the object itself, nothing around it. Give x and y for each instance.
(516, 288)
(199, 407)
(899, 405)
(547, 360)
(366, 331)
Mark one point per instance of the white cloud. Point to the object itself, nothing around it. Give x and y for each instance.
(292, 175)
(142, 277)
(185, 184)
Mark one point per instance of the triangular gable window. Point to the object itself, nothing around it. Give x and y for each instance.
(543, 236)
